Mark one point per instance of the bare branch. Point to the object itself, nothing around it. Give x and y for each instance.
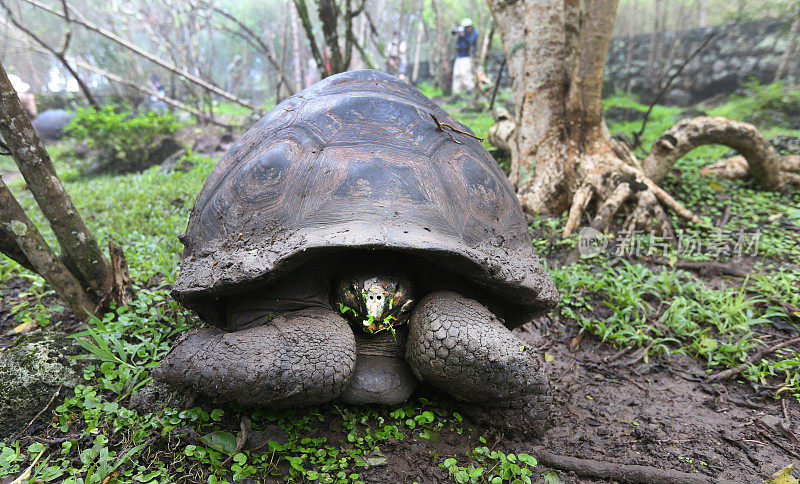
(82, 21)
(305, 19)
(58, 55)
(247, 32)
(637, 136)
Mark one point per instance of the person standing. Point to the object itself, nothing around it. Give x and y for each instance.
(466, 45)
(396, 56)
(26, 98)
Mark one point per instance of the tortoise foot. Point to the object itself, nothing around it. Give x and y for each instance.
(458, 345)
(299, 358)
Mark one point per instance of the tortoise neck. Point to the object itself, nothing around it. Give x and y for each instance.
(383, 344)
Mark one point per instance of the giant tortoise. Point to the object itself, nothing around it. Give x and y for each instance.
(355, 241)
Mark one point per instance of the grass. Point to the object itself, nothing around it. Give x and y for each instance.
(661, 310)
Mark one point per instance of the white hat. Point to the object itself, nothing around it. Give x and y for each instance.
(467, 22)
(18, 84)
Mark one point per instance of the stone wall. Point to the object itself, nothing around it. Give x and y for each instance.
(737, 53)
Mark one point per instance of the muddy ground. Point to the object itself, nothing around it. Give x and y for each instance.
(612, 406)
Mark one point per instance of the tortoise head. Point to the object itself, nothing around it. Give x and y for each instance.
(374, 297)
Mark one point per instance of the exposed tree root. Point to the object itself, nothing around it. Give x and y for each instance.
(617, 472)
(608, 181)
(629, 183)
(737, 167)
(762, 159)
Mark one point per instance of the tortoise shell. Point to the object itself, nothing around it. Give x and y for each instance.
(356, 162)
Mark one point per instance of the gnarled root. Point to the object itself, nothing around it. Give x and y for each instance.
(502, 134)
(764, 163)
(609, 178)
(611, 183)
(737, 167)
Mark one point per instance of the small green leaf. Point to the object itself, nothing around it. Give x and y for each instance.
(222, 441)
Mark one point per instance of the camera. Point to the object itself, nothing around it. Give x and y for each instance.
(457, 31)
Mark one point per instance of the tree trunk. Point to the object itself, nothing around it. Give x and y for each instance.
(562, 157)
(702, 13)
(298, 73)
(417, 48)
(556, 70)
(78, 244)
(791, 47)
(22, 241)
(481, 79)
(444, 67)
(629, 50)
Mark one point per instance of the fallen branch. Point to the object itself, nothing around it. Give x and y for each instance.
(754, 359)
(27, 473)
(618, 472)
(83, 22)
(440, 126)
(705, 268)
(767, 436)
(50, 402)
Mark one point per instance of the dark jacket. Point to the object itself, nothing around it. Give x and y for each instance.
(466, 44)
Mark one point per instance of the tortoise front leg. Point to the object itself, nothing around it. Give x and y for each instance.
(457, 344)
(299, 358)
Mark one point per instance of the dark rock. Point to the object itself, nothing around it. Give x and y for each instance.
(50, 124)
(206, 144)
(678, 97)
(31, 373)
(80, 150)
(689, 113)
(616, 114)
(785, 144)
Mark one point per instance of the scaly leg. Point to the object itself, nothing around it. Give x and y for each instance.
(456, 344)
(299, 358)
